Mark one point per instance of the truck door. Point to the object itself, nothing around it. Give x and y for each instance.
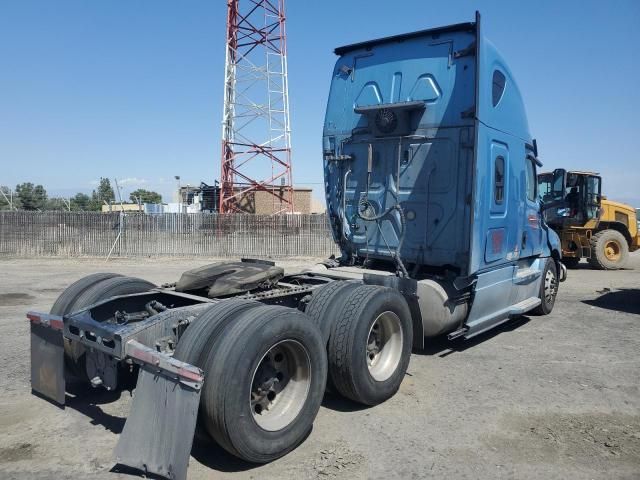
(531, 241)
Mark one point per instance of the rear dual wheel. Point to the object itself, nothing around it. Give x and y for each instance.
(325, 304)
(370, 345)
(83, 293)
(265, 373)
(368, 331)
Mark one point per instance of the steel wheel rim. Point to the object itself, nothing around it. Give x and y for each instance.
(384, 346)
(280, 385)
(550, 285)
(612, 250)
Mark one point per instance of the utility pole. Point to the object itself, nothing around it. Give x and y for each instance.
(9, 199)
(177, 177)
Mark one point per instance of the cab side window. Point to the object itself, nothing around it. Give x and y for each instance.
(531, 179)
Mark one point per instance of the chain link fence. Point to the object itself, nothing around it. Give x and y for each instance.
(95, 234)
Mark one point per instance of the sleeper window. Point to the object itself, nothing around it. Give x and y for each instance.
(498, 181)
(497, 89)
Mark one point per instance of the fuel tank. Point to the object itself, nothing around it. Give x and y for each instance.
(441, 311)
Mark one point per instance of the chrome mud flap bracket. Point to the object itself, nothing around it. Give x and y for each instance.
(158, 434)
(47, 357)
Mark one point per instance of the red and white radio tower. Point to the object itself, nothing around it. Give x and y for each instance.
(256, 143)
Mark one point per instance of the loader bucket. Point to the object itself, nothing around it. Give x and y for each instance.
(158, 434)
(47, 357)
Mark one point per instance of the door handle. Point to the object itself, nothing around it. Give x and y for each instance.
(524, 240)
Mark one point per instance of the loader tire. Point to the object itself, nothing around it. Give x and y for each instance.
(370, 344)
(101, 290)
(64, 305)
(548, 288)
(325, 304)
(264, 381)
(609, 250)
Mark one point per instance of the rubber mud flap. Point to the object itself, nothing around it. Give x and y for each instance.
(47, 363)
(158, 434)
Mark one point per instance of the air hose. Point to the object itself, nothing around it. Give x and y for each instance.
(363, 204)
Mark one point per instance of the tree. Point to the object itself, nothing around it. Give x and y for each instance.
(31, 197)
(102, 195)
(56, 204)
(145, 196)
(80, 202)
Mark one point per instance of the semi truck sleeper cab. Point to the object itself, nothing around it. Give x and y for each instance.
(430, 183)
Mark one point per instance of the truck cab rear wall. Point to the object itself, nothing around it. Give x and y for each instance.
(438, 162)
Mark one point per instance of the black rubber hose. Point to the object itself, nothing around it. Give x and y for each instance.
(375, 218)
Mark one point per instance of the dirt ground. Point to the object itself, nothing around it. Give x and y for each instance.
(553, 397)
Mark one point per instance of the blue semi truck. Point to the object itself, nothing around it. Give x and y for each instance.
(430, 182)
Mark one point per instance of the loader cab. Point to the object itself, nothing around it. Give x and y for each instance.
(573, 197)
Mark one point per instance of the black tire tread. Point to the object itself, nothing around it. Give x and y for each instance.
(102, 289)
(542, 309)
(323, 301)
(68, 297)
(342, 340)
(214, 396)
(110, 288)
(201, 335)
(228, 344)
(192, 345)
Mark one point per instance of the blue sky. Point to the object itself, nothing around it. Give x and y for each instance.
(132, 89)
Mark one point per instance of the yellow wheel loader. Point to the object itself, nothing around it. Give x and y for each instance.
(589, 225)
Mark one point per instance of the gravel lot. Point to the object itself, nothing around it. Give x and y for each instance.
(541, 397)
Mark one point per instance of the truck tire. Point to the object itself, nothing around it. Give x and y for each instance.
(111, 288)
(548, 288)
(63, 305)
(325, 304)
(193, 345)
(264, 381)
(66, 299)
(209, 325)
(571, 262)
(609, 250)
(370, 344)
(101, 290)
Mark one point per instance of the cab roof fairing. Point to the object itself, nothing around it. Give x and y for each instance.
(509, 115)
(341, 118)
(367, 45)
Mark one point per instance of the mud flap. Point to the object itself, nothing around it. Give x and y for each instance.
(158, 434)
(47, 357)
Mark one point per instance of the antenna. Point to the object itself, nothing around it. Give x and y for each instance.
(256, 133)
